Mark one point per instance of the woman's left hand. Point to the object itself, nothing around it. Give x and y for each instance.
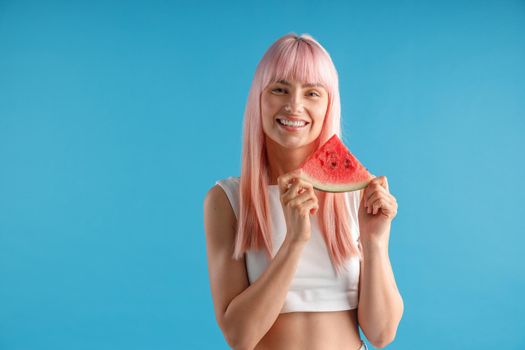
(376, 211)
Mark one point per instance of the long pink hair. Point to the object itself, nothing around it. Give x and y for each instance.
(300, 58)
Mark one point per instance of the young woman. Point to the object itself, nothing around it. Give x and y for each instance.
(291, 267)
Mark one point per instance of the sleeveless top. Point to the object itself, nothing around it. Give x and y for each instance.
(315, 285)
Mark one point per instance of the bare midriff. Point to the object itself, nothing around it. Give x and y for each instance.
(337, 330)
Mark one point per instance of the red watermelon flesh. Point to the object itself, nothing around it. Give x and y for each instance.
(332, 168)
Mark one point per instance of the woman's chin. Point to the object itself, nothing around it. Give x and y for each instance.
(294, 143)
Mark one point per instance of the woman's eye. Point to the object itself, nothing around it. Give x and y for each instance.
(281, 90)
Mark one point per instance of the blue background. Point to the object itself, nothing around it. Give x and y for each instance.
(117, 117)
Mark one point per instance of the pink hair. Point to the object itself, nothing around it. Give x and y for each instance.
(300, 58)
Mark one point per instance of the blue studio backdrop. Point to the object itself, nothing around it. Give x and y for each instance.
(116, 118)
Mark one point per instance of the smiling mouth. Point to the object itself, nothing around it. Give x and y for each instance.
(292, 124)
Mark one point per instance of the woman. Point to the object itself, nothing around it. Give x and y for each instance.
(291, 267)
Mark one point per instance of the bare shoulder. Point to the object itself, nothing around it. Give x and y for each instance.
(228, 277)
(215, 201)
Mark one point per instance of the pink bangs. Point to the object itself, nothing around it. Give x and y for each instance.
(302, 60)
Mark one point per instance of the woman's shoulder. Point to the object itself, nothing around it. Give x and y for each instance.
(230, 185)
(229, 181)
(225, 193)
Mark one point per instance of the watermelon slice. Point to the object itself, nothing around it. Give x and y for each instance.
(332, 168)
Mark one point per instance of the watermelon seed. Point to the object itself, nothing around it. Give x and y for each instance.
(334, 164)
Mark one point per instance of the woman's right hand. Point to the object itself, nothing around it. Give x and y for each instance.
(299, 201)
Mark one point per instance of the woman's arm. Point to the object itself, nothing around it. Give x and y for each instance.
(253, 312)
(380, 304)
(244, 312)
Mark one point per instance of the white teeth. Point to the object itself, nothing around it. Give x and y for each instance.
(292, 123)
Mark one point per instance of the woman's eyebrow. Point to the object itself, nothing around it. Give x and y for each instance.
(286, 82)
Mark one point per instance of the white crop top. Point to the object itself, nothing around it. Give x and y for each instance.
(315, 285)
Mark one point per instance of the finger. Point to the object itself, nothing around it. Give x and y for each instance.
(310, 206)
(291, 191)
(314, 207)
(374, 193)
(374, 206)
(299, 187)
(383, 182)
(384, 204)
(301, 199)
(304, 186)
(377, 205)
(285, 179)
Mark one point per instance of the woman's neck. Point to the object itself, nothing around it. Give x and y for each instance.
(283, 160)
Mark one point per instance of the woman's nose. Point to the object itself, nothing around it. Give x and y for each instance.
(294, 105)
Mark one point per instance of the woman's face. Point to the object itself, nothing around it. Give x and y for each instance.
(302, 107)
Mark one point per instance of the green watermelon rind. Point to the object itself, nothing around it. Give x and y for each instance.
(336, 188)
